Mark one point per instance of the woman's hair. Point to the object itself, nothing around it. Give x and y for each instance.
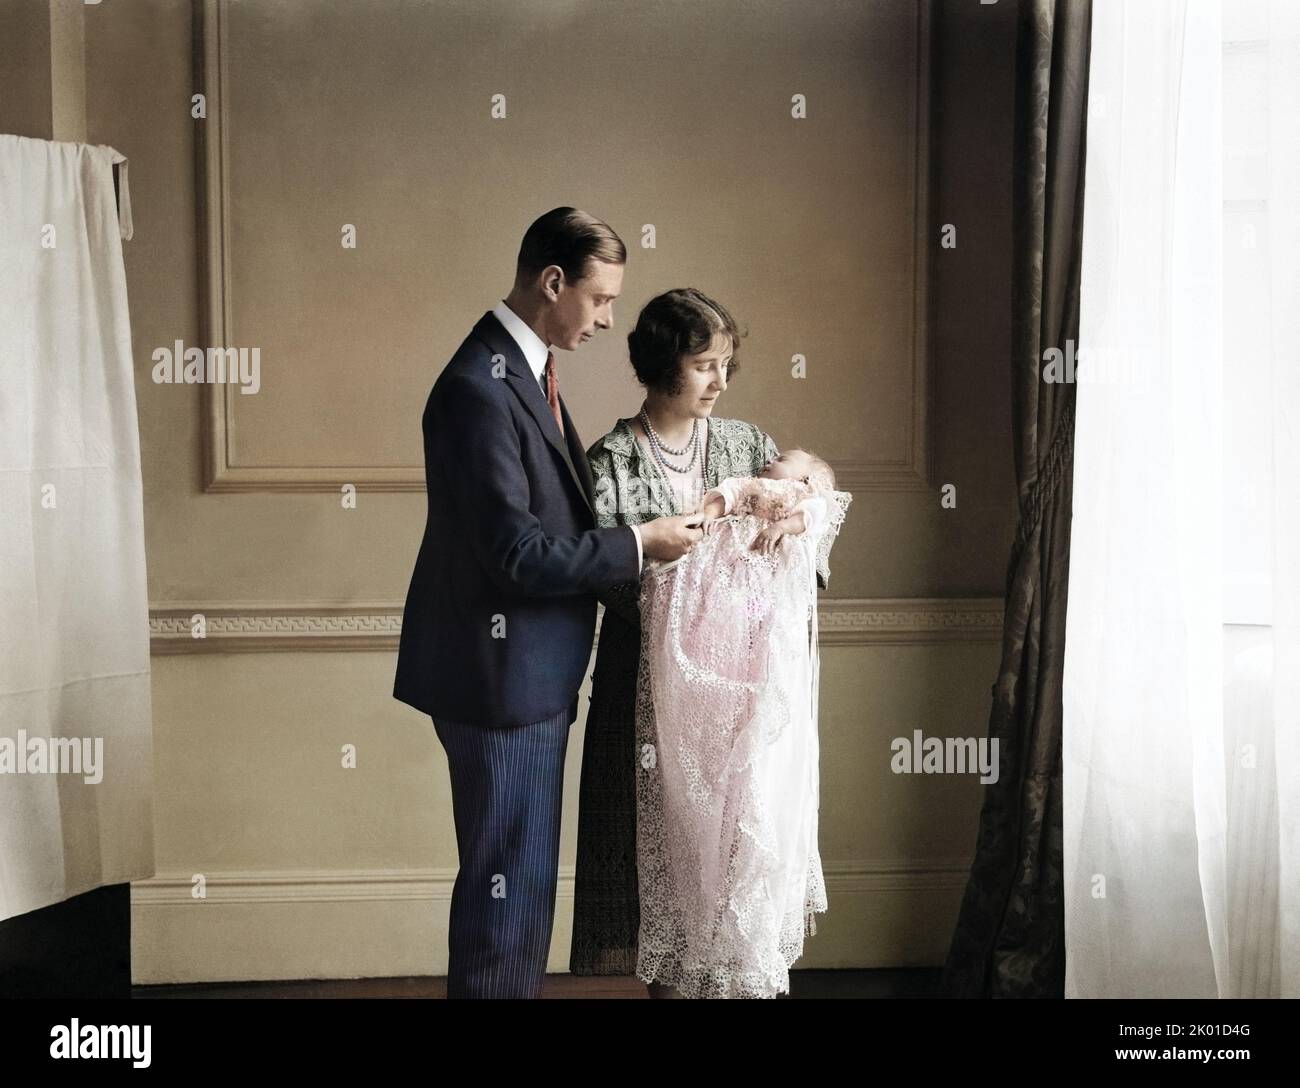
(678, 323)
(569, 238)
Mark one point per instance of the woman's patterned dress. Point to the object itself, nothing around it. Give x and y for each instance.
(630, 489)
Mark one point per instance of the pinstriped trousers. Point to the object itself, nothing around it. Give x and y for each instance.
(506, 790)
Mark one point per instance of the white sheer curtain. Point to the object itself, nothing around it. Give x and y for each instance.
(1262, 527)
(74, 624)
(1181, 766)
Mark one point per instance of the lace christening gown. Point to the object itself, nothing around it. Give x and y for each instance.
(726, 729)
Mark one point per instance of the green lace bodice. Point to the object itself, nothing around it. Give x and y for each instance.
(631, 488)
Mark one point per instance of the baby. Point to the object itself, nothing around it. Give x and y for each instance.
(785, 494)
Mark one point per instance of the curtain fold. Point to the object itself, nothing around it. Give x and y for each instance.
(75, 715)
(1010, 935)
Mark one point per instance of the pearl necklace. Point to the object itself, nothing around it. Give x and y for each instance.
(658, 448)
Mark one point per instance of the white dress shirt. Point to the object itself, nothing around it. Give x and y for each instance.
(535, 353)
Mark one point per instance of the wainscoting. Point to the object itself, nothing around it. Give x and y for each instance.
(304, 867)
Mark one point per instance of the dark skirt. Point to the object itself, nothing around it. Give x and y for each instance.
(606, 907)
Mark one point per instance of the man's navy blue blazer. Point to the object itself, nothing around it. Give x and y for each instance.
(501, 609)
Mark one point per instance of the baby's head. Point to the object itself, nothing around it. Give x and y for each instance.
(797, 464)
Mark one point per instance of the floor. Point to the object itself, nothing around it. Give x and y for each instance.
(893, 983)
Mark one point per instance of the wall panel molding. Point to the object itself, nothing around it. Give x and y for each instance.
(910, 471)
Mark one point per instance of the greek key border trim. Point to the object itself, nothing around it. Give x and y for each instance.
(263, 628)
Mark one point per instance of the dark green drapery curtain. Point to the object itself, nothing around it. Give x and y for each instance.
(1010, 935)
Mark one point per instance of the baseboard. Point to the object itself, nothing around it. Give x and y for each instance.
(393, 923)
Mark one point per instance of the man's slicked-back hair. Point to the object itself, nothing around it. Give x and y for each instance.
(569, 238)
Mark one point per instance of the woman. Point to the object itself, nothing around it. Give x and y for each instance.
(684, 352)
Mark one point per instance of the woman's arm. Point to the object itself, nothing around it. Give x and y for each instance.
(721, 500)
(807, 516)
(623, 598)
(793, 524)
(714, 504)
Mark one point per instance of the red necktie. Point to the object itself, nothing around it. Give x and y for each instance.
(553, 391)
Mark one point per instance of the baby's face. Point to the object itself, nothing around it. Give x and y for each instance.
(791, 465)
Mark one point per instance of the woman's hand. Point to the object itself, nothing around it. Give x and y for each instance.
(715, 508)
(767, 540)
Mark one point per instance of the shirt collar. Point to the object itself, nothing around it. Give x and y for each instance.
(529, 342)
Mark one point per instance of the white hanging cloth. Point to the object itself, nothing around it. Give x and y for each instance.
(76, 779)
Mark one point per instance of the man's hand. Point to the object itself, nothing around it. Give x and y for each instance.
(670, 538)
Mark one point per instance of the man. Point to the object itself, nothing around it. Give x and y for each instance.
(501, 609)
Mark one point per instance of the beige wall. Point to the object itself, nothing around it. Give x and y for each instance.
(43, 69)
(676, 115)
(26, 87)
